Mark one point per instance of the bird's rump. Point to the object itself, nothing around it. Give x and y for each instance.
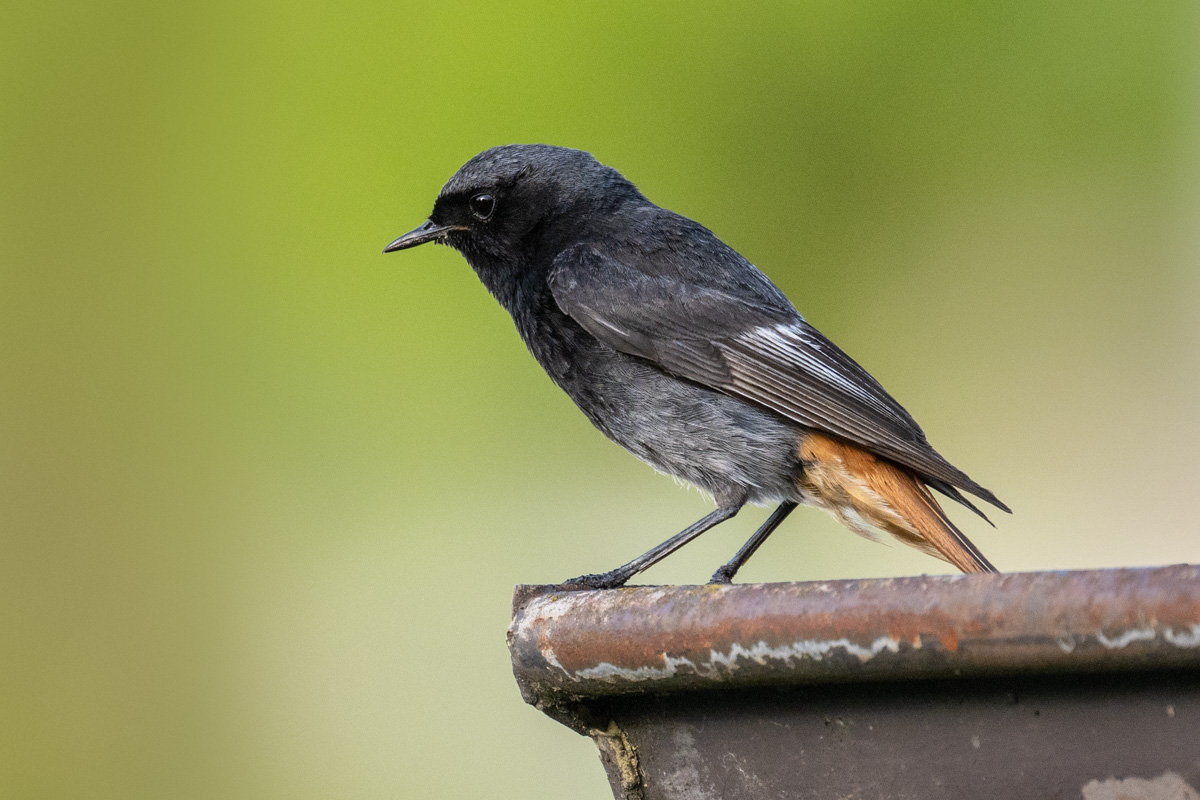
(744, 338)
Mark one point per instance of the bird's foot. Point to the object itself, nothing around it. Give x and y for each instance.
(723, 575)
(605, 580)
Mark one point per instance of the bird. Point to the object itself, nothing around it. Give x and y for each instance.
(680, 350)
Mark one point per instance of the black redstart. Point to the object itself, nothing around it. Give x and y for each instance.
(678, 349)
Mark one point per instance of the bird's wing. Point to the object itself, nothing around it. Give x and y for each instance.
(748, 342)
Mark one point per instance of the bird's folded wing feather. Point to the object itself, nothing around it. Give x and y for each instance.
(745, 339)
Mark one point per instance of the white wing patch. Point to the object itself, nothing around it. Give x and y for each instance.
(795, 346)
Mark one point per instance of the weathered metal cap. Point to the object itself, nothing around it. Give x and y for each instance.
(568, 646)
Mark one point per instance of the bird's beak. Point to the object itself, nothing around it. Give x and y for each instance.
(429, 232)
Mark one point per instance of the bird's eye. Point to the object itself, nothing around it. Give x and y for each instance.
(482, 206)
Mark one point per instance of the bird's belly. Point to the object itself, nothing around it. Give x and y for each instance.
(719, 443)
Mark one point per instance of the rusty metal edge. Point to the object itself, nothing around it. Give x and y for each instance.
(569, 646)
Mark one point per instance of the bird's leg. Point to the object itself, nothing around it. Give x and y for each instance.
(617, 577)
(725, 574)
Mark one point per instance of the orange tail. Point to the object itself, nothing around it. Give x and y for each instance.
(867, 493)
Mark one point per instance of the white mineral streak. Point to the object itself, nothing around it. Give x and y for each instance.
(712, 667)
(1191, 639)
(1127, 638)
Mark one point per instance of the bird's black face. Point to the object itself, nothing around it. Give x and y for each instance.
(488, 212)
(499, 208)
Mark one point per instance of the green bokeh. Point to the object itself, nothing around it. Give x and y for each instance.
(264, 492)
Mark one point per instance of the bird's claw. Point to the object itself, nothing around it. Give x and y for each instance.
(604, 580)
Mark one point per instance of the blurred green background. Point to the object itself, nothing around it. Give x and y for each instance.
(264, 492)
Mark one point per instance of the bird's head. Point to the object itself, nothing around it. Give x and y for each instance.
(509, 204)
